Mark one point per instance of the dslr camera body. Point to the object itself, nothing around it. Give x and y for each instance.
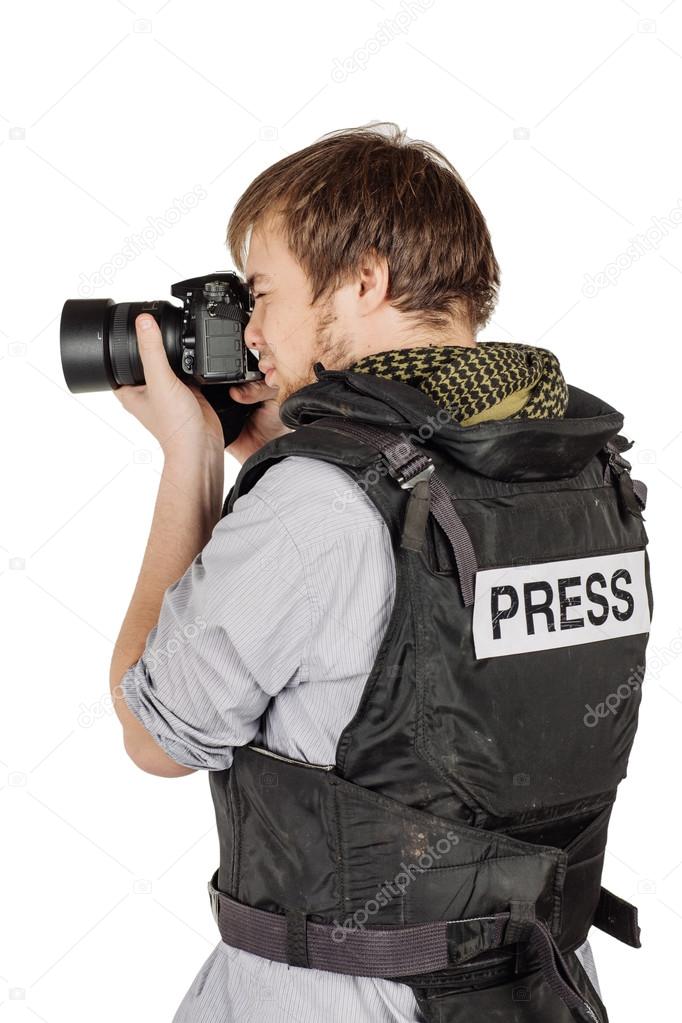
(203, 339)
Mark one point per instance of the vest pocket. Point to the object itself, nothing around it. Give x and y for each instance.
(525, 999)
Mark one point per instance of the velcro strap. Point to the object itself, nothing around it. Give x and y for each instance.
(297, 947)
(618, 918)
(521, 922)
(416, 516)
(556, 974)
(468, 938)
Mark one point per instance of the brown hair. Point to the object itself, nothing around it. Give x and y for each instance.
(361, 191)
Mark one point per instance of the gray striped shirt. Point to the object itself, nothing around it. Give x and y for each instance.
(269, 636)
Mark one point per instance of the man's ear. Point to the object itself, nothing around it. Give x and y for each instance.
(374, 280)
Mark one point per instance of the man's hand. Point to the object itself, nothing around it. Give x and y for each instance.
(177, 414)
(262, 425)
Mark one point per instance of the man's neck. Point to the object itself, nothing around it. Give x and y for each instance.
(416, 342)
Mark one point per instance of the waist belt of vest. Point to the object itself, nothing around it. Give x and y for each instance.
(399, 952)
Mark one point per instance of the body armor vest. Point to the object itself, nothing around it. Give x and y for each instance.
(456, 843)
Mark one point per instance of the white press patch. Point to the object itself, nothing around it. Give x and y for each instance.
(522, 608)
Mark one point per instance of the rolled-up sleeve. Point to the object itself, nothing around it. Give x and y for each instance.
(233, 631)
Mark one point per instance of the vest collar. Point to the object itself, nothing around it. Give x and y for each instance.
(507, 449)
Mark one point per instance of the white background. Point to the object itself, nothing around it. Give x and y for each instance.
(564, 120)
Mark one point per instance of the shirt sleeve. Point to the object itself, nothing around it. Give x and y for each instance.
(232, 632)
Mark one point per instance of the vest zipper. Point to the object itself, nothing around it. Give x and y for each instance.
(289, 760)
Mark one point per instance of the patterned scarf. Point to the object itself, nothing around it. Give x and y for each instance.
(494, 380)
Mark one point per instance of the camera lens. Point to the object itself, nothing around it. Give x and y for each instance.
(98, 342)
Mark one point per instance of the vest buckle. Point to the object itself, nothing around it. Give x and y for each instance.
(408, 482)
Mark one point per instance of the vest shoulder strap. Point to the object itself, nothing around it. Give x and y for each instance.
(410, 467)
(309, 441)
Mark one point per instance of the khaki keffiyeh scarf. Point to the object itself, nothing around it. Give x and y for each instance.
(494, 380)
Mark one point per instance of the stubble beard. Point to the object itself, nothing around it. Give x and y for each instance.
(332, 352)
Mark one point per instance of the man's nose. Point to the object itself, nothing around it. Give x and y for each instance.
(253, 335)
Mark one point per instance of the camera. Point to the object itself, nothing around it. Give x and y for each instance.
(203, 339)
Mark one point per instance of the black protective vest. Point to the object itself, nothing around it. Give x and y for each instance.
(456, 843)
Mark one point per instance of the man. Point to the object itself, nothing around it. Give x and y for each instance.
(262, 626)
